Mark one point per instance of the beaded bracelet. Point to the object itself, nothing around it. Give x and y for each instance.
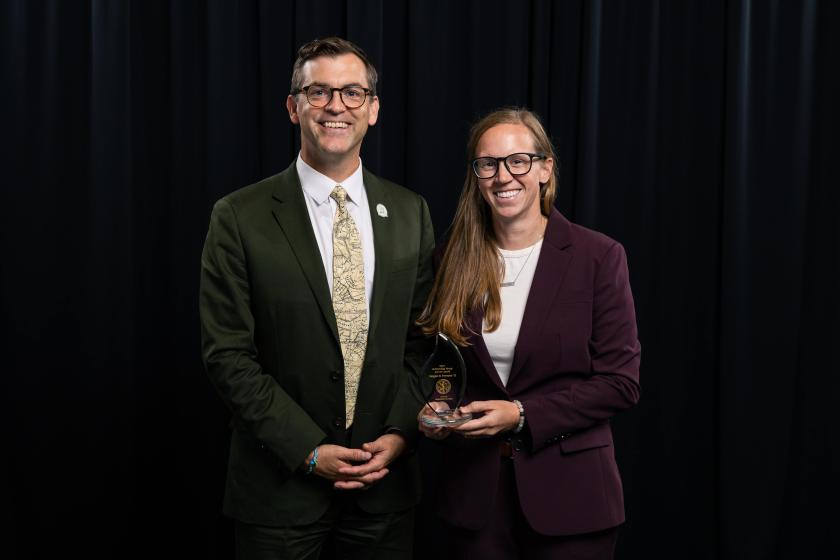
(313, 461)
(521, 423)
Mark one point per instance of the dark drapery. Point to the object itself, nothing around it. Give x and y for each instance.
(698, 133)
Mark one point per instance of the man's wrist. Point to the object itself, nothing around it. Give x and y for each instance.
(396, 431)
(408, 440)
(311, 461)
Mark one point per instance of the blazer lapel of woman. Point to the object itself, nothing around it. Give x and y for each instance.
(555, 257)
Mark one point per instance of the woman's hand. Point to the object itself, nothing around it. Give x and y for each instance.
(499, 416)
(432, 432)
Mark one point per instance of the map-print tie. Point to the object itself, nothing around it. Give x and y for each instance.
(349, 303)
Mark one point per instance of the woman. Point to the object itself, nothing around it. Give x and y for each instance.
(543, 312)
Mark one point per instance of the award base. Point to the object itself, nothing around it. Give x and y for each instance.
(446, 418)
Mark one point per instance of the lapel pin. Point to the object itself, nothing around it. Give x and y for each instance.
(381, 210)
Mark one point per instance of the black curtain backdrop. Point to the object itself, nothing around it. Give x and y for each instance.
(698, 133)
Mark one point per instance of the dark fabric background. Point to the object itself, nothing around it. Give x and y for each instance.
(698, 133)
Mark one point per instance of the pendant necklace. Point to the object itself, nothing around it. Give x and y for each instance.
(513, 282)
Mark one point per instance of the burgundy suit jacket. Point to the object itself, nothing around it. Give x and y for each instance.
(576, 365)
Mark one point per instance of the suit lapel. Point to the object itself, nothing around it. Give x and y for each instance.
(555, 256)
(475, 321)
(383, 239)
(293, 218)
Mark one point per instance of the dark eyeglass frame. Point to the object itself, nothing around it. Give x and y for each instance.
(305, 91)
(504, 159)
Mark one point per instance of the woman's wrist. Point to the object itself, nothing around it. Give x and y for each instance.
(520, 421)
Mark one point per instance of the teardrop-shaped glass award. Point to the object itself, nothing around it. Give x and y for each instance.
(443, 381)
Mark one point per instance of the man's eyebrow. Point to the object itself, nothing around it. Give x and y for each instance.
(352, 84)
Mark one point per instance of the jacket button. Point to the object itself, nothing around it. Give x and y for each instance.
(335, 376)
(338, 422)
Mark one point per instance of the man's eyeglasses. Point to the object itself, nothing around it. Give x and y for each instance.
(516, 164)
(318, 96)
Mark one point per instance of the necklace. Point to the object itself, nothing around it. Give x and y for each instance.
(519, 272)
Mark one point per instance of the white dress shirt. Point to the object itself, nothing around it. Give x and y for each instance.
(316, 189)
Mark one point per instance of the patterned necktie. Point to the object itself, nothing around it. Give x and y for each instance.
(349, 303)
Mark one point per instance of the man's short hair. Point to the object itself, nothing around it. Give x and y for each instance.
(331, 47)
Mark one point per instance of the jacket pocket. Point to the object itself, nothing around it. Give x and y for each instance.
(599, 436)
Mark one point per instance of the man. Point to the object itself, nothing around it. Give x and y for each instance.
(310, 284)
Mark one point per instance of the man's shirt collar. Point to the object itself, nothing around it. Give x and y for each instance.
(318, 186)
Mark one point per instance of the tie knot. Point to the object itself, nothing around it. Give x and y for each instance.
(339, 195)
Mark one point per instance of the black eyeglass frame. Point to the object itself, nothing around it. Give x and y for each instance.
(305, 91)
(531, 159)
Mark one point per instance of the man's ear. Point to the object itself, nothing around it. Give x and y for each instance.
(291, 106)
(373, 114)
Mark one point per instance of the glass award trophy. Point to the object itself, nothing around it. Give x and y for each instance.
(443, 381)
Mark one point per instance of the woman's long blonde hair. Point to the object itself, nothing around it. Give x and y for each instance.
(470, 271)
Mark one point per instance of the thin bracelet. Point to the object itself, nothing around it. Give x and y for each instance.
(521, 423)
(313, 461)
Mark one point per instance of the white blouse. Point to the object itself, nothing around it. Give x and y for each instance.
(520, 266)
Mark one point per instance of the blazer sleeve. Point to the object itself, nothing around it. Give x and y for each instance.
(612, 385)
(403, 413)
(229, 351)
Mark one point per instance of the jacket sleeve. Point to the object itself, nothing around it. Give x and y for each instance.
(612, 385)
(230, 355)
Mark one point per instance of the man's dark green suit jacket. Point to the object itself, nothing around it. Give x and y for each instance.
(270, 345)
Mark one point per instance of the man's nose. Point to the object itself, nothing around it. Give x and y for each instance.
(336, 105)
